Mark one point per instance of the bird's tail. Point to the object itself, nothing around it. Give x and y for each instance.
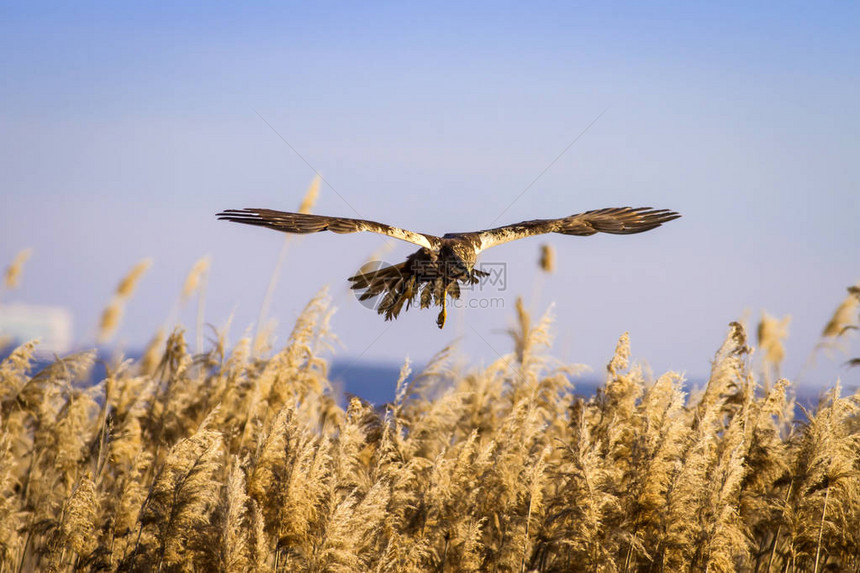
(374, 279)
(391, 289)
(385, 289)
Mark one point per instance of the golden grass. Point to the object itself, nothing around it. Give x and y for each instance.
(311, 195)
(228, 461)
(112, 314)
(196, 279)
(844, 322)
(772, 332)
(547, 258)
(12, 276)
(844, 317)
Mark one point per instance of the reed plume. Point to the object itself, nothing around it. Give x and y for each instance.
(547, 258)
(12, 277)
(112, 314)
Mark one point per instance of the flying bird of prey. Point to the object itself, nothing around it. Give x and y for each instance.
(436, 270)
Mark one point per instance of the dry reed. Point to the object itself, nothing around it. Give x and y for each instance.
(12, 277)
(228, 461)
(112, 314)
(547, 258)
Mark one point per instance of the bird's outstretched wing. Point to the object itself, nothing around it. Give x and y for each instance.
(304, 223)
(616, 220)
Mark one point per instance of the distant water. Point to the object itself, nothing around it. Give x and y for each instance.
(375, 382)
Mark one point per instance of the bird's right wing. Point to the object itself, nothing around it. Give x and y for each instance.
(305, 223)
(615, 220)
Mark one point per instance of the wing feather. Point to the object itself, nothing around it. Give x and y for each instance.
(306, 223)
(615, 220)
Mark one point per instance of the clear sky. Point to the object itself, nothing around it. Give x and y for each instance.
(124, 127)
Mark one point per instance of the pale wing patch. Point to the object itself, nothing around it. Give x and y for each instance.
(402, 234)
(509, 233)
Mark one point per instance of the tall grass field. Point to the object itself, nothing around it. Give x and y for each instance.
(243, 459)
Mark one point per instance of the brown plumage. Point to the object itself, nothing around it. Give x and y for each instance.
(436, 271)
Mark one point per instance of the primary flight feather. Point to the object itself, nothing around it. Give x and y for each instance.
(436, 270)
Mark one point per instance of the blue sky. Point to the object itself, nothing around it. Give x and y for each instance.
(123, 129)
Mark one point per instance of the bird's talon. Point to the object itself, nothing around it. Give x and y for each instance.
(440, 320)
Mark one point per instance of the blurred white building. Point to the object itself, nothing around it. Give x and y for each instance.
(52, 325)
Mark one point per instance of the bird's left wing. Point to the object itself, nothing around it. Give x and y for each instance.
(305, 223)
(615, 220)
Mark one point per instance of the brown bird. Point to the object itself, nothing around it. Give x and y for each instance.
(435, 271)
